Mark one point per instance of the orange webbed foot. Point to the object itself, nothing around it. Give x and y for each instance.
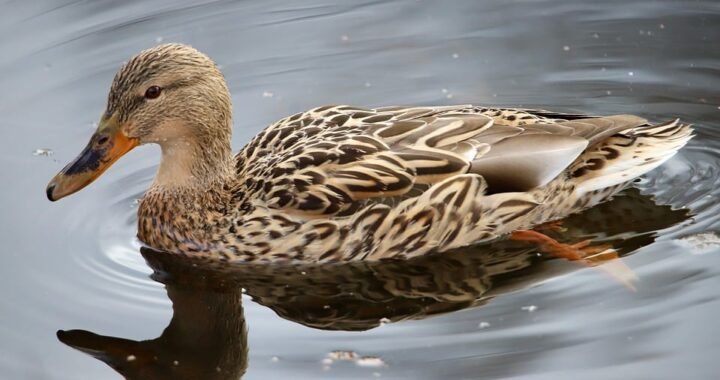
(584, 252)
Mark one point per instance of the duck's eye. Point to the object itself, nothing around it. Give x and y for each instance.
(102, 140)
(153, 92)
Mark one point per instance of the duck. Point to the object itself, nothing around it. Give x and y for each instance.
(340, 183)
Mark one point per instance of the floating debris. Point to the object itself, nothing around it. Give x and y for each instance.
(342, 355)
(370, 361)
(631, 73)
(529, 308)
(351, 356)
(131, 358)
(267, 94)
(483, 325)
(175, 362)
(566, 48)
(703, 242)
(43, 152)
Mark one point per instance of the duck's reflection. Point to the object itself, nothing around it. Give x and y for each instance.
(206, 338)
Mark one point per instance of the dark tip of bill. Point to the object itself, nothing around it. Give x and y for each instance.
(49, 192)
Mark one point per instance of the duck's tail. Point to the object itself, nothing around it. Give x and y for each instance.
(627, 155)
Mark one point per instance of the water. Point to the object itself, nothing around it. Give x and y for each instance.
(488, 312)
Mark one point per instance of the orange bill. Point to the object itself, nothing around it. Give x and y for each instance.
(106, 146)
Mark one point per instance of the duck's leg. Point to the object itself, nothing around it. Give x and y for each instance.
(583, 251)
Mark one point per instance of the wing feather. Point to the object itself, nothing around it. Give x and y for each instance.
(329, 160)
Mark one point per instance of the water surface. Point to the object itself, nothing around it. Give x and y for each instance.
(501, 311)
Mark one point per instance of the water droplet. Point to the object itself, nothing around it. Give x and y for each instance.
(444, 90)
(367, 84)
(275, 359)
(608, 92)
(529, 308)
(326, 361)
(662, 26)
(303, 273)
(159, 39)
(326, 307)
(384, 321)
(344, 37)
(175, 362)
(483, 325)
(595, 35)
(377, 374)
(566, 48)
(456, 55)
(130, 358)
(449, 96)
(267, 94)
(630, 73)
(43, 152)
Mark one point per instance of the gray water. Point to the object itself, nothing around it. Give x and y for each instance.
(492, 312)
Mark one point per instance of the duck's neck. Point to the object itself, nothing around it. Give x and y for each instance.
(188, 196)
(194, 164)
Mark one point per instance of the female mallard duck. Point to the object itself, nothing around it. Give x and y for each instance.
(340, 183)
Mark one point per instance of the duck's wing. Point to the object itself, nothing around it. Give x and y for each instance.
(329, 160)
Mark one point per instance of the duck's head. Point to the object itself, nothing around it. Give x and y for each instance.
(171, 95)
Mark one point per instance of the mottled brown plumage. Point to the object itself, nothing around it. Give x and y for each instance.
(340, 183)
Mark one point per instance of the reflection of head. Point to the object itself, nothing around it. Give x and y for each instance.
(206, 339)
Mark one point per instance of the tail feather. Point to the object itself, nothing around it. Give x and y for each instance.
(628, 155)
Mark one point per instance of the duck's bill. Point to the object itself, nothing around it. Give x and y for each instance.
(106, 146)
